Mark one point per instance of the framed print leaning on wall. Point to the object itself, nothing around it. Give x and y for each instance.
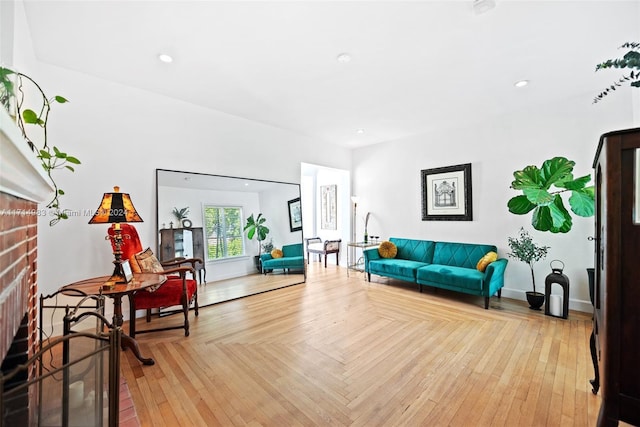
(295, 215)
(328, 209)
(446, 193)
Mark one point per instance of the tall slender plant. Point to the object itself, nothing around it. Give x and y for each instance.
(524, 249)
(50, 156)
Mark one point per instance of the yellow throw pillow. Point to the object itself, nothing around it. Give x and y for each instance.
(148, 262)
(387, 249)
(276, 253)
(486, 260)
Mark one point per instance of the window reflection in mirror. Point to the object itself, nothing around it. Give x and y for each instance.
(201, 215)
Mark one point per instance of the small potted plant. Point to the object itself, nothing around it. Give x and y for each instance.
(267, 246)
(181, 215)
(524, 249)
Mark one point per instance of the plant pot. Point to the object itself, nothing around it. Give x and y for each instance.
(535, 300)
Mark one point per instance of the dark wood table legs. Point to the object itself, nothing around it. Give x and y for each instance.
(127, 341)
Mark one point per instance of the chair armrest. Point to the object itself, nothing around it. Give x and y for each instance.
(181, 270)
(330, 245)
(313, 240)
(181, 261)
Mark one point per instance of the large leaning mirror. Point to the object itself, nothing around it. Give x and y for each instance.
(203, 216)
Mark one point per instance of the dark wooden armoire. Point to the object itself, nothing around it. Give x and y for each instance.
(183, 242)
(617, 276)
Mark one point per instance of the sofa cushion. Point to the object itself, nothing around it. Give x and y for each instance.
(395, 267)
(458, 277)
(464, 255)
(284, 262)
(387, 250)
(414, 250)
(486, 260)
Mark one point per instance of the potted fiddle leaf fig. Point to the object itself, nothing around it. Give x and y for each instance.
(524, 249)
(542, 192)
(630, 60)
(255, 228)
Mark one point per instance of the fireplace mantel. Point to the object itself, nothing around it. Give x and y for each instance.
(21, 174)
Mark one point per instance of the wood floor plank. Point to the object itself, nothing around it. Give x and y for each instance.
(342, 351)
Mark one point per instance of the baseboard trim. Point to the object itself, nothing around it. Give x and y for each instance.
(574, 304)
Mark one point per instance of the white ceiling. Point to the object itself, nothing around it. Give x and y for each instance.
(415, 65)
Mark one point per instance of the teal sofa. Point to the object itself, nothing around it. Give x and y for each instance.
(292, 259)
(445, 265)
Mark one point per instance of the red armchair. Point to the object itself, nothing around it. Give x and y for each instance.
(177, 290)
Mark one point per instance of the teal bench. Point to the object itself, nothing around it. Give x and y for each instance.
(445, 265)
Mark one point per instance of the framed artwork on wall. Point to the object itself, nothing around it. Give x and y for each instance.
(295, 214)
(447, 193)
(328, 209)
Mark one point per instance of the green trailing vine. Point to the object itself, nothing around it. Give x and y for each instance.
(51, 157)
(630, 60)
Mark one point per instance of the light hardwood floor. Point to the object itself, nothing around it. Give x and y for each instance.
(339, 351)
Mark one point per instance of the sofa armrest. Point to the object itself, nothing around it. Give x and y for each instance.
(265, 257)
(494, 276)
(369, 255)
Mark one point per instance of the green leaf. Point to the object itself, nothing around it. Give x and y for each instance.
(529, 177)
(73, 160)
(70, 168)
(576, 184)
(538, 196)
(560, 216)
(29, 116)
(61, 99)
(541, 219)
(520, 205)
(582, 202)
(44, 154)
(556, 170)
(60, 192)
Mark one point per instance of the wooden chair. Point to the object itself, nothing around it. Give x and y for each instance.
(315, 245)
(178, 290)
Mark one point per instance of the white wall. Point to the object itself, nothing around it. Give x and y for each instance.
(122, 135)
(387, 180)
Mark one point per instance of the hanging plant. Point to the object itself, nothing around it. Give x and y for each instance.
(630, 60)
(549, 212)
(51, 157)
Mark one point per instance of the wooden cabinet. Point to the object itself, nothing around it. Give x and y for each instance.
(617, 276)
(183, 242)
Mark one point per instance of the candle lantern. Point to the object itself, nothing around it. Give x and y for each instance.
(557, 305)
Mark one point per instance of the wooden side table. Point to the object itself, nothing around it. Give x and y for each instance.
(102, 286)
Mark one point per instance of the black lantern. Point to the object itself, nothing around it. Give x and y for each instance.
(561, 279)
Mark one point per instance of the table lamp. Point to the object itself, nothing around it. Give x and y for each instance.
(116, 208)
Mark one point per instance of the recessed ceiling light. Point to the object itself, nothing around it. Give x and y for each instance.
(165, 58)
(344, 57)
(521, 83)
(360, 130)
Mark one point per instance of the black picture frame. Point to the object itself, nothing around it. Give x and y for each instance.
(295, 214)
(447, 193)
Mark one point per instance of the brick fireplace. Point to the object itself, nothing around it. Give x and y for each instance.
(22, 186)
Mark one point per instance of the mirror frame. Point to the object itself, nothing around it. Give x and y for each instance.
(286, 220)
